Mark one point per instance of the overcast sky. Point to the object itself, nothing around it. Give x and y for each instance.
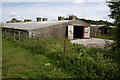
(88, 9)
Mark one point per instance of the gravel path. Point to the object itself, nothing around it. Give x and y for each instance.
(94, 43)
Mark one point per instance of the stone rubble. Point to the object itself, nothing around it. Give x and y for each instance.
(94, 43)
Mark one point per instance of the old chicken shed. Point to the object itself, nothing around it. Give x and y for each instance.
(48, 29)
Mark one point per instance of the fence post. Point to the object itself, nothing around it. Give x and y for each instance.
(14, 36)
(64, 46)
(19, 35)
(38, 44)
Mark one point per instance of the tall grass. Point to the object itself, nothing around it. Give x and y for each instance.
(83, 62)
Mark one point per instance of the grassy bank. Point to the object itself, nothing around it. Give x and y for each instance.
(78, 62)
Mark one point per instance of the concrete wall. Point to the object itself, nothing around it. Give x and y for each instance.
(56, 31)
(94, 32)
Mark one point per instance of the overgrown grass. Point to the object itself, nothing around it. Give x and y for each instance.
(105, 37)
(21, 63)
(78, 60)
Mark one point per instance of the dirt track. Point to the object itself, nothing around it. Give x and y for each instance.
(94, 43)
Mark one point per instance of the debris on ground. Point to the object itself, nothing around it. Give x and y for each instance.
(47, 64)
(94, 43)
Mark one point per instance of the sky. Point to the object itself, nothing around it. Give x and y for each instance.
(51, 9)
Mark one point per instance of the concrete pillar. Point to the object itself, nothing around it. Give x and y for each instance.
(26, 35)
(14, 37)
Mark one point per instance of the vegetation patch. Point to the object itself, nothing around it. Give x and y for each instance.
(78, 60)
(19, 62)
(105, 37)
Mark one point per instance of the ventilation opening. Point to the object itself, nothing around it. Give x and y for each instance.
(78, 32)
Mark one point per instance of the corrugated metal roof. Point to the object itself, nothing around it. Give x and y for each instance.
(35, 25)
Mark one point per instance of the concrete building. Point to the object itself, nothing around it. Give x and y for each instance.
(97, 30)
(48, 29)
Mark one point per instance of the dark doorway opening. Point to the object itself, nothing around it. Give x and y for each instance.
(66, 34)
(78, 32)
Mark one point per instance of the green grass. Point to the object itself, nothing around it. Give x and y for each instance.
(19, 62)
(105, 37)
(78, 62)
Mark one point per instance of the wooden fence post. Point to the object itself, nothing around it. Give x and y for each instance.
(64, 46)
(38, 44)
(19, 35)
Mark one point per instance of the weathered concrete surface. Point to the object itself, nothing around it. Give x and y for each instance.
(45, 29)
(56, 31)
(94, 43)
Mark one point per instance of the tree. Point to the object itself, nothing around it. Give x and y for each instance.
(115, 14)
(13, 20)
